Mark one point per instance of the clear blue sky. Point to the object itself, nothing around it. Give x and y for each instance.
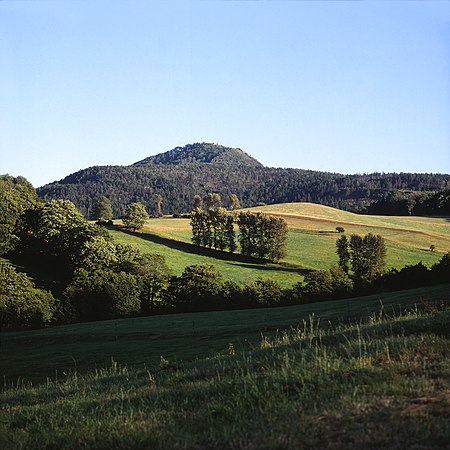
(347, 87)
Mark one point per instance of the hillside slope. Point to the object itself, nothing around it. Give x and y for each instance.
(180, 174)
(311, 242)
(290, 377)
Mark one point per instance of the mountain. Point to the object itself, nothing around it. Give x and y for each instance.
(180, 174)
(201, 153)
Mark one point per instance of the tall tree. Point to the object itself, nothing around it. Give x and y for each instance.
(234, 202)
(368, 256)
(16, 196)
(212, 201)
(101, 209)
(135, 216)
(343, 253)
(198, 203)
(158, 202)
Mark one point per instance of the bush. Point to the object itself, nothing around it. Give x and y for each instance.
(103, 294)
(197, 288)
(21, 303)
(263, 292)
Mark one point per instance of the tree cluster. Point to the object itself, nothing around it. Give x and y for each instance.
(398, 203)
(365, 255)
(91, 277)
(214, 229)
(260, 235)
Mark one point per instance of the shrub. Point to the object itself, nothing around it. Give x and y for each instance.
(103, 294)
(21, 303)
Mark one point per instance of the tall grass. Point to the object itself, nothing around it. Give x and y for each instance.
(379, 383)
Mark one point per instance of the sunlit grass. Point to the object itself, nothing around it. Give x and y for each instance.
(311, 241)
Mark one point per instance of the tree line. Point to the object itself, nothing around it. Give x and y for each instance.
(398, 203)
(179, 180)
(260, 235)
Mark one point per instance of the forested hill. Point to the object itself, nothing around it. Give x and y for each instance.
(201, 153)
(180, 174)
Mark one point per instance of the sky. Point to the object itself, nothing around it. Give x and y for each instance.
(349, 87)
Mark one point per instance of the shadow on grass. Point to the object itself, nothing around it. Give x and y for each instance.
(276, 268)
(246, 261)
(314, 232)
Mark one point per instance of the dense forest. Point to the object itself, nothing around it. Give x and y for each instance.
(179, 174)
(397, 203)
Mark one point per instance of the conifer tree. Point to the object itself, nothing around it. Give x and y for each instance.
(101, 209)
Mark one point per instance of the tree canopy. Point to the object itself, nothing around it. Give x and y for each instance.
(135, 216)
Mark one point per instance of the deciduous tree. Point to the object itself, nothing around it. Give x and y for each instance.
(135, 216)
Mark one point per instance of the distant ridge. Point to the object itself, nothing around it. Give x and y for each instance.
(196, 169)
(203, 152)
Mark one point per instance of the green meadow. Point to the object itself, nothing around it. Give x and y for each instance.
(38, 354)
(370, 372)
(311, 242)
(293, 377)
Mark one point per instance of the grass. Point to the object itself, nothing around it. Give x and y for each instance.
(36, 355)
(378, 382)
(311, 242)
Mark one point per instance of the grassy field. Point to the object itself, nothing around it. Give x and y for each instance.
(231, 380)
(311, 242)
(36, 355)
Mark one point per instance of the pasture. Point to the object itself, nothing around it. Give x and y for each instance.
(138, 342)
(311, 242)
(274, 378)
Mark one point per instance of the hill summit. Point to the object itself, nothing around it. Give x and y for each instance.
(203, 152)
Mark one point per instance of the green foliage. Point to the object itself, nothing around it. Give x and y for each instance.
(234, 202)
(58, 228)
(101, 209)
(97, 253)
(213, 227)
(396, 203)
(441, 270)
(343, 253)
(198, 287)
(16, 196)
(21, 303)
(103, 294)
(263, 292)
(135, 216)
(158, 202)
(151, 270)
(262, 236)
(180, 174)
(154, 274)
(367, 256)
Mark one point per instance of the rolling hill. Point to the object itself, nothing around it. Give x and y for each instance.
(311, 241)
(180, 174)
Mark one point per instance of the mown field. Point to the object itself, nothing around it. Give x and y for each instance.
(294, 377)
(311, 242)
